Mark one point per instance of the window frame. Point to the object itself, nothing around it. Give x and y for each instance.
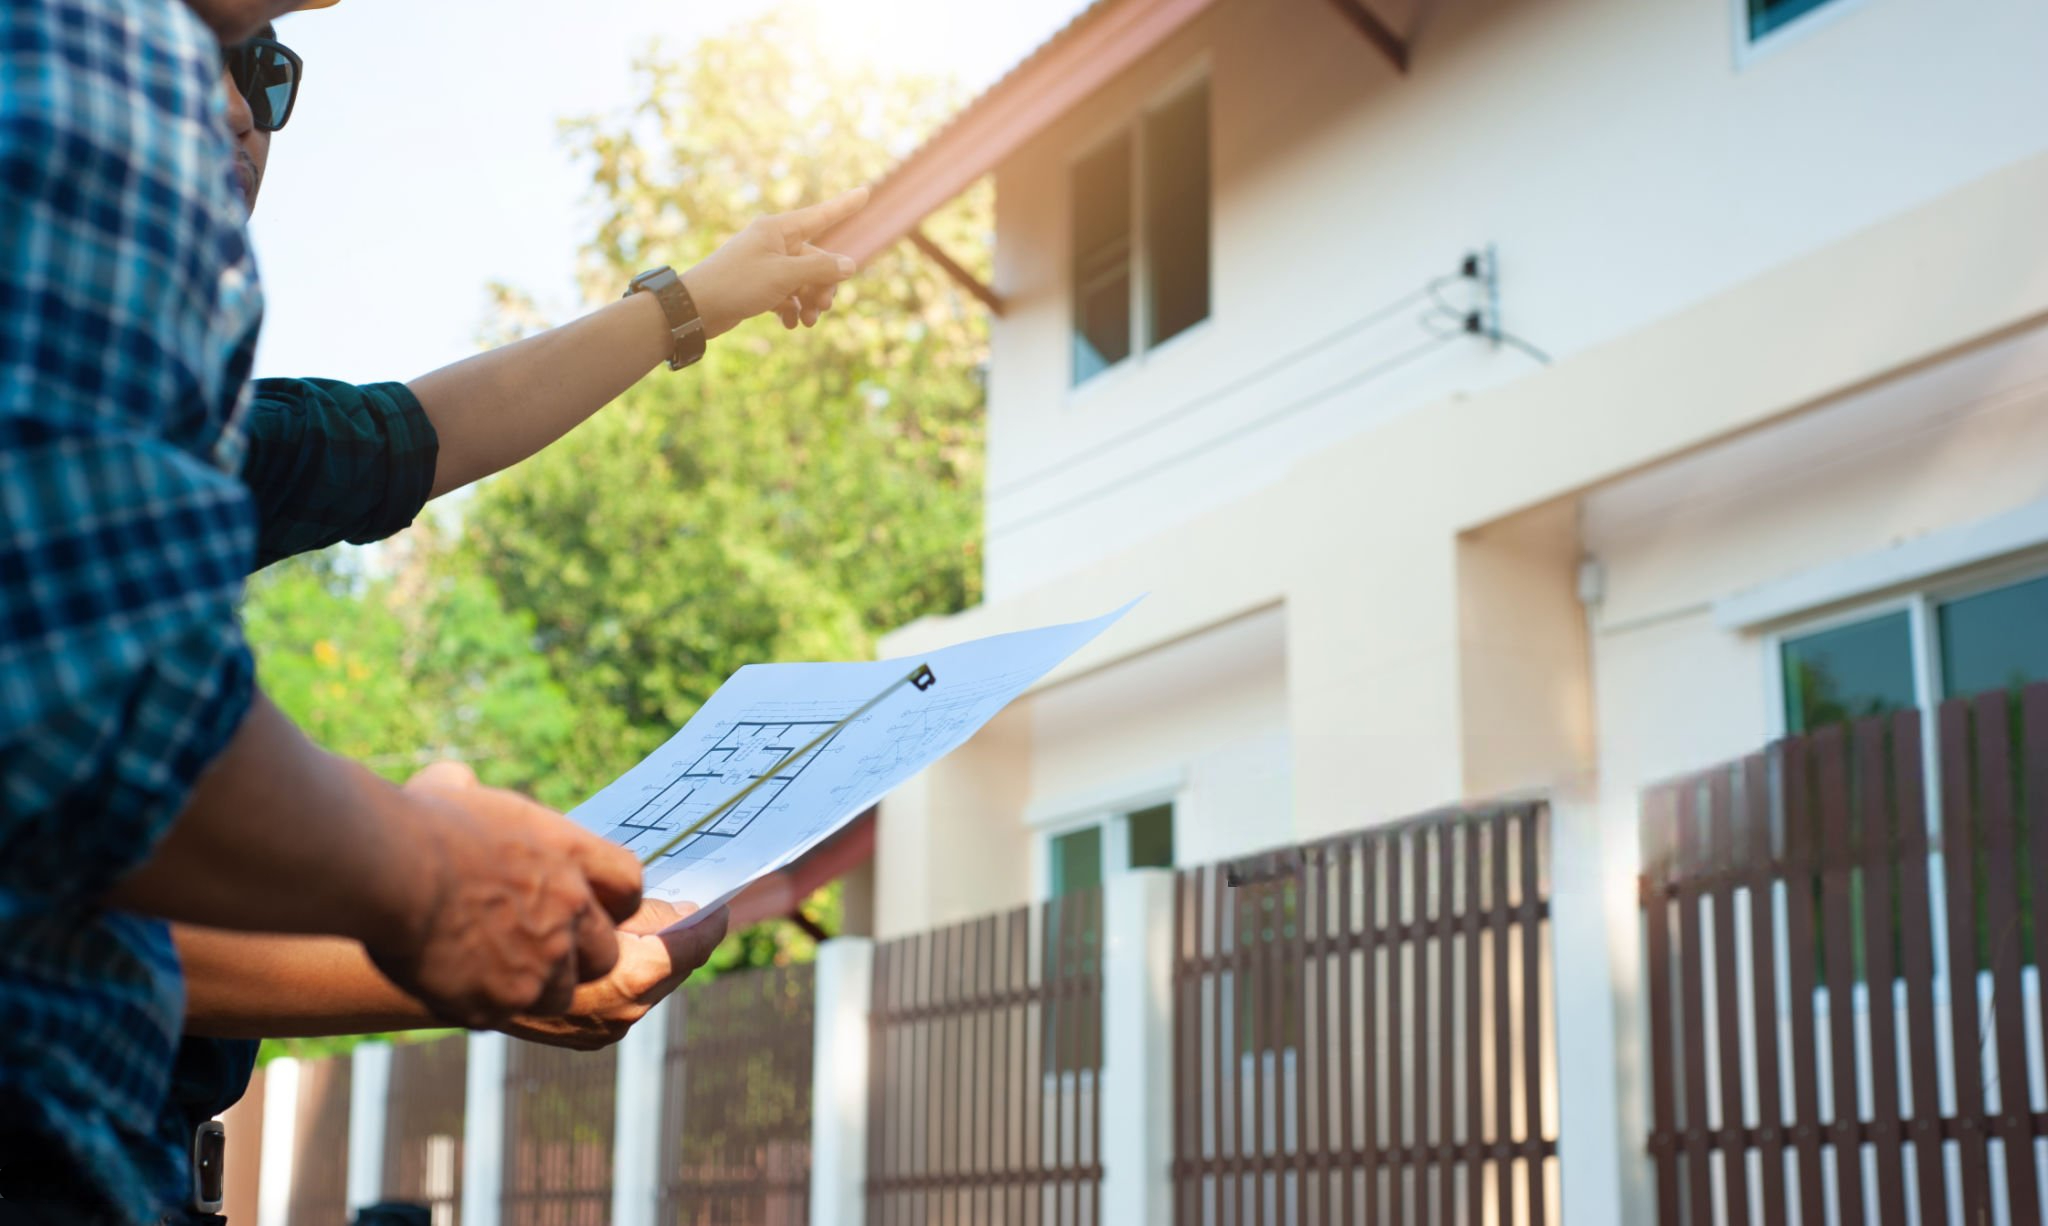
(1748, 50)
(1111, 813)
(1923, 629)
(1132, 126)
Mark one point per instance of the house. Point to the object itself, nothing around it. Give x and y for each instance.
(1493, 397)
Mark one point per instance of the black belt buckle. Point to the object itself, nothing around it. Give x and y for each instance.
(209, 1158)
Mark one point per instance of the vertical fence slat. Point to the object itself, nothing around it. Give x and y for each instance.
(1533, 820)
(1419, 1064)
(1800, 940)
(1877, 852)
(1503, 1024)
(1446, 1023)
(1722, 870)
(1837, 899)
(1400, 1054)
(1959, 862)
(1690, 862)
(1659, 839)
(1916, 952)
(1475, 1087)
(2014, 1122)
(1763, 928)
(1360, 1198)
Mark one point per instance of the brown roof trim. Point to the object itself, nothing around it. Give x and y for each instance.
(1089, 52)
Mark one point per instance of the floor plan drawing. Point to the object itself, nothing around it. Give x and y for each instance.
(816, 744)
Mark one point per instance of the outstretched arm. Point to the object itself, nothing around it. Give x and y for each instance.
(497, 408)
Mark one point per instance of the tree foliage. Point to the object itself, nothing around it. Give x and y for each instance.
(789, 498)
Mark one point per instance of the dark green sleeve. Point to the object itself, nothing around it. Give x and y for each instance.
(331, 461)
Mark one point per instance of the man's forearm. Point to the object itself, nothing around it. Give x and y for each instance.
(495, 409)
(281, 836)
(242, 985)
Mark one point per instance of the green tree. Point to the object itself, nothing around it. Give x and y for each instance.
(794, 495)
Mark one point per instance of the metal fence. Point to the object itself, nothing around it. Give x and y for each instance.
(424, 1124)
(1845, 1018)
(986, 1050)
(319, 1192)
(737, 1132)
(558, 1136)
(1362, 1030)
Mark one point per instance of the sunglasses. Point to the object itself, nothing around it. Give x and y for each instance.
(267, 73)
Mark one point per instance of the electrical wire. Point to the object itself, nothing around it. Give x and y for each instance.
(1371, 319)
(1210, 444)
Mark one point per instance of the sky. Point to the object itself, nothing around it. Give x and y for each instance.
(423, 159)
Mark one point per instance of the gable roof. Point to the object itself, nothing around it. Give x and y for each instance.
(1087, 53)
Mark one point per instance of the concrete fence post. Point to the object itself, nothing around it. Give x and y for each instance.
(483, 1130)
(839, 1081)
(1137, 1049)
(637, 1114)
(369, 1100)
(280, 1144)
(1592, 940)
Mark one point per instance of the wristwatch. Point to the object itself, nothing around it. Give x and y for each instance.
(684, 323)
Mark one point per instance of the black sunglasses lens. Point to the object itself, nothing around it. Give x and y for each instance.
(276, 80)
(267, 78)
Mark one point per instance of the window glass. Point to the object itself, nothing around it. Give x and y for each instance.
(1995, 640)
(1176, 155)
(1151, 834)
(1768, 15)
(1076, 861)
(1102, 259)
(1849, 672)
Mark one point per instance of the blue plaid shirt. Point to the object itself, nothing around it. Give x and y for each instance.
(128, 313)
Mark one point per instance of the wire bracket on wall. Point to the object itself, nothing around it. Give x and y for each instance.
(1480, 314)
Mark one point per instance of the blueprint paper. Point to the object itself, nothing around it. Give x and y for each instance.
(763, 712)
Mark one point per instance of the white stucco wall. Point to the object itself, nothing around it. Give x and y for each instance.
(1961, 441)
(1615, 151)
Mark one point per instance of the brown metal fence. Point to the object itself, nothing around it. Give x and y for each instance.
(558, 1136)
(1362, 1030)
(1778, 892)
(986, 1049)
(737, 1138)
(319, 1195)
(424, 1125)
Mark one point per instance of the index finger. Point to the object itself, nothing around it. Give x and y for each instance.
(613, 873)
(813, 220)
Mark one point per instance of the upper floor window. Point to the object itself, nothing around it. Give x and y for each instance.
(1141, 234)
(1763, 18)
(1988, 639)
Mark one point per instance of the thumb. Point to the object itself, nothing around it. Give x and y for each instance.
(820, 268)
(613, 874)
(443, 774)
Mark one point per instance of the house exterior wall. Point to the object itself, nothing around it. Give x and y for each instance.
(1623, 161)
(1366, 548)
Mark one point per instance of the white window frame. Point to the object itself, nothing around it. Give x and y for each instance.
(1748, 50)
(1196, 76)
(1109, 810)
(1922, 606)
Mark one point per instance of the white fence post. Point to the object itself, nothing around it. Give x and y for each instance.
(483, 1130)
(369, 1098)
(839, 1081)
(637, 1114)
(1593, 937)
(1137, 1048)
(280, 1144)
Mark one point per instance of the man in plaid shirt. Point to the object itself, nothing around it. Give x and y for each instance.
(144, 775)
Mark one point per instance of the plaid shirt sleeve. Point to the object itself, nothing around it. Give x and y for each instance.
(330, 461)
(128, 314)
